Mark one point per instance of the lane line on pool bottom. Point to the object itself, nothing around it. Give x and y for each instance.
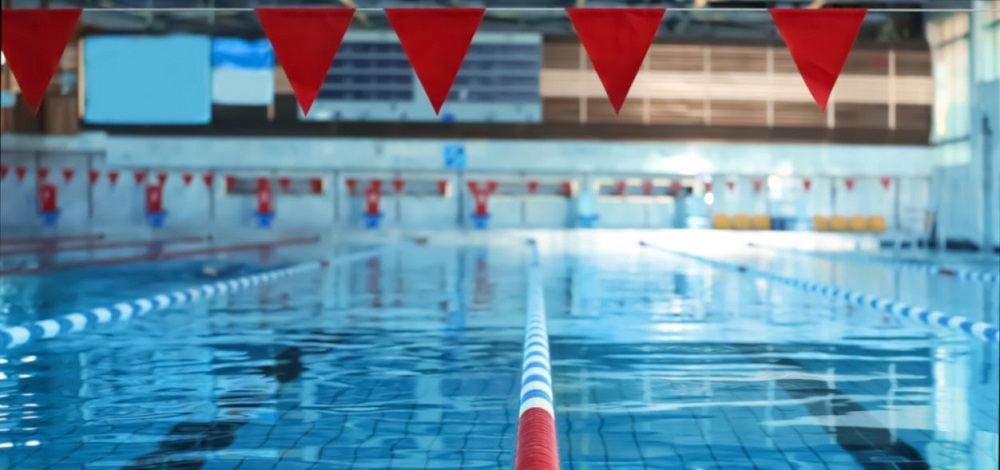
(964, 274)
(980, 330)
(536, 447)
(15, 336)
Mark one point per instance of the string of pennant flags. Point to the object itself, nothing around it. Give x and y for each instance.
(160, 178)
(436, 40)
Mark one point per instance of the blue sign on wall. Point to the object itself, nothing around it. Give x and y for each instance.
(454, 156)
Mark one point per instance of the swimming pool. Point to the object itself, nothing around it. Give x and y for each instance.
(411, 357)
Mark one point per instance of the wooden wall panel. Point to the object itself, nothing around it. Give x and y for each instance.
(913, 63)
(561, 110)
(909, 117)
(677, 57)
(861, 116)
(739, 113)
(738, 59)
(561, 56)
(679, 111)
(798, 115)
(867, 62)
(599, 110)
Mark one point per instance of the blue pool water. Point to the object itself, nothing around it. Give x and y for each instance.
(411, 359)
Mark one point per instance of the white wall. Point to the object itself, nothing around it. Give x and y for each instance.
(337, 159)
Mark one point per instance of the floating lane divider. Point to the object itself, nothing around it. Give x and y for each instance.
(979, 330)
(536, 446)
(91, 246)
(7, 241)
(12, 337)
(161, 256)
(964, 274)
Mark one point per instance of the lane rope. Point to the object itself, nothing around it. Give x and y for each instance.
(980, 330)
(964, 274)
(536, 447)
(16, 336)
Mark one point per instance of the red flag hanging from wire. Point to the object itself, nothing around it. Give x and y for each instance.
(3, 171)
(94, 176)
(849, 183)
(616, 40)
(435, 41)
(68, 174)
(33, 41)
(113, 177)
(305, 41)
(819, 42)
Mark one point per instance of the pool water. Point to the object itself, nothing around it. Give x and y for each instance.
(411, 359)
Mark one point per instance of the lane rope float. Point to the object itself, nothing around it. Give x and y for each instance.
(170, 255)
(536, 445)
(964, 274)
(15, 336)
(980, 330)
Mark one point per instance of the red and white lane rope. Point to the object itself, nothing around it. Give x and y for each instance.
(536, 447)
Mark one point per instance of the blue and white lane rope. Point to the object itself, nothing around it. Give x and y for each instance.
(15, 336)
(536, 445)
(980, 330)
(964, 274)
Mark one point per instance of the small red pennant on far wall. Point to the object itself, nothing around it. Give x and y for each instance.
(731, 185)
(43, 173)
(819, 41)
(757, 185)
(849, 183)
(616, 40)
(94, 176)
(3, 171)
(68, 174)
(208, 178)
(113, 177)
(807, 183)
(140, 176)
(436, 41)
(708, 186)
(19, 172)
(162, 178)
(33, 41)
(187, 177)
(886, 181)
(305, 41)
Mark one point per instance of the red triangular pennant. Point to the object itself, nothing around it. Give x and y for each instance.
(140, 176)
(757, 184)
(708, 186)
(730, 185)
(113, 177)
(43, 173)
(162, 178)
(807, 183)
(94, 176)
(436, 41)
(187, 177)
(20, 172)
(208, 178)
(33, 41)
(886, 181)
(849, 182)
(68, 174)
(819, 41)
(616, 40)
(3, 171)
(285, 183)
(305, 40)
